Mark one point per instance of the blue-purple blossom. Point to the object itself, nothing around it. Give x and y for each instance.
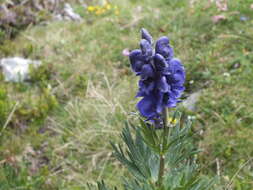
(161, 76)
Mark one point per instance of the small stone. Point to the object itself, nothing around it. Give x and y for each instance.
(69, 12)
(58, 17)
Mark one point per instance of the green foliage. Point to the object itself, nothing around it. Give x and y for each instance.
(143, 154)
(100, 185)
(80, 85)
(5, 105)
(36, 108)
(138, 158)
(2, 35)
(42, 75)
(18, 178)
(32, 107)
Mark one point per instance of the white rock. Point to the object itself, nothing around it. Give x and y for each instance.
(58, 17)
(16, 69)
(69, 12)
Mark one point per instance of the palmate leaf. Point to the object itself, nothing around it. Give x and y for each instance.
(179, 145)
(187, 178)
(182, 168)
(138, 157)
(134, 185)
(150, 136)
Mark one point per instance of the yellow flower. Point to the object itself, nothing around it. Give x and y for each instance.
(108, 6)
(91, 8)
(102, 11)
(116, 12)
(172, 121)
(98, 12)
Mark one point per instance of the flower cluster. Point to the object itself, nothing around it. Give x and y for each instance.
(106, 7)
(161, 76)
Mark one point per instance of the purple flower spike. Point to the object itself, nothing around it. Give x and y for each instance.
(146, 48)
(177, 73)
(147, 106)
(160, 63)
(147, 72)
(163, 47)
(161, 76)
(162, 85)
(136, 60)
(145, 35)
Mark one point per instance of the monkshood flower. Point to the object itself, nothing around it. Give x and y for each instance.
(161, 76)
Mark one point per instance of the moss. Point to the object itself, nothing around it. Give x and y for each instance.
(43, 75)
(35, 108)
(80, 85)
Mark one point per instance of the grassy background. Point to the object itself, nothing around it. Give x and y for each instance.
(56, 130)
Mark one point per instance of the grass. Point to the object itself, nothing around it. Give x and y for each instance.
(58, 137)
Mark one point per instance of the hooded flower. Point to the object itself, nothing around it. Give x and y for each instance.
(161, 76)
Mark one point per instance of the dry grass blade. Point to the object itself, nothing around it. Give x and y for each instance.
(9, 117)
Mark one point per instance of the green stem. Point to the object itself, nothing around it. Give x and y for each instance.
(161, 171)
(165, 119)
(165, 128)
(162, 149)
